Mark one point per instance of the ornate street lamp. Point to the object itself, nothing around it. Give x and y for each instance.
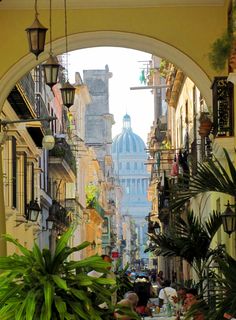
(33, 210)
(67, 94)
(67, 90)
(157, 228)
(51, 219)
(229, 220)
(51, 66)
(36, 35)
(51, 69)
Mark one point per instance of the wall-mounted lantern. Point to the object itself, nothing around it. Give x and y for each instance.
(33, 210)
(229, 220)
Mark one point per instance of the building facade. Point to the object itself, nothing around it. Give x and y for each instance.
(98, 135)
(129, 156)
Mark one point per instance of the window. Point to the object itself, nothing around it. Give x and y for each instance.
(128, 186)
(135, 166)
(128, 166)
(105, 227)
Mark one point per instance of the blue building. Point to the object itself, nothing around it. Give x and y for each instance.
(129, 156)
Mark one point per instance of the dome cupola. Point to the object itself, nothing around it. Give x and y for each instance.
(127, 141)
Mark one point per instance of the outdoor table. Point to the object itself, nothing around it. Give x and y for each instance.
(161, 317)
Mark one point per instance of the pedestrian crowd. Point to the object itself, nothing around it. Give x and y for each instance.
(145, 298)
(151, 292)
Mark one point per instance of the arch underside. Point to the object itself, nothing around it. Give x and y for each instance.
(112, 39)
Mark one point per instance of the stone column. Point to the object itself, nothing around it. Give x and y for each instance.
(232, 78)
(3, 247)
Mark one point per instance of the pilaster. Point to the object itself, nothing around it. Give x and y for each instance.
(232, 78)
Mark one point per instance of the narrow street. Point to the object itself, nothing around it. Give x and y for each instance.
(117, 159)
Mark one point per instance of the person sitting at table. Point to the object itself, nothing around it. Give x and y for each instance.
(193, 299)
(144, 291)
(167, 294)
(132, 297)
(128, 304)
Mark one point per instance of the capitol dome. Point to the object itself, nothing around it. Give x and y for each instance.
(127, 141)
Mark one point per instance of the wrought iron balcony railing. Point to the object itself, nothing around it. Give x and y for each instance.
(62, 150)
(41, 109)
(28, 87)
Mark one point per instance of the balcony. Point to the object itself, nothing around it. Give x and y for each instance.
(62, 161)
(61, 219)
(22, 101)
(41, 110)
(22, 98)
(111, 207)
(27, 86)
(94, 205)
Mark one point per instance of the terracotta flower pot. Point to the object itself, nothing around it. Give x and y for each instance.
(205, 125)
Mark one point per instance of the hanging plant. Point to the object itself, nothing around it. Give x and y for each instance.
(223, 47)
(164, 68)
(92, 195)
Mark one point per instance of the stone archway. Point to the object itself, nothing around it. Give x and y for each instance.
(113, 39)
(96, 39)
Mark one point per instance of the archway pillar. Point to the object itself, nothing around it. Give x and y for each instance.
(232, 78)
(3, 247)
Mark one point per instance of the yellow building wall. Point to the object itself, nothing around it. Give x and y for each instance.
(190, 29)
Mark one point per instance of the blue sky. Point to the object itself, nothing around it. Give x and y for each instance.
(125, 65)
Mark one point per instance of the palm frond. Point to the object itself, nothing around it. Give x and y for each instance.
(190, 239)
(227, 279)
(213, 223)
(211, 176)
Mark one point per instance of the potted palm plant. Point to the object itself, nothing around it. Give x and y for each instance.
(190, 239)
(39, 285)
(212, 176)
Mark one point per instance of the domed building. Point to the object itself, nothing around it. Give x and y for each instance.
(129, 156)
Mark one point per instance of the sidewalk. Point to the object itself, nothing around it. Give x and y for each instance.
(160, 318)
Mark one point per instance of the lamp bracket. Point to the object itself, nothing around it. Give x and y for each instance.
(6, 122)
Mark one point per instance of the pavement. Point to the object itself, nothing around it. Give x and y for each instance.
(160, 318)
